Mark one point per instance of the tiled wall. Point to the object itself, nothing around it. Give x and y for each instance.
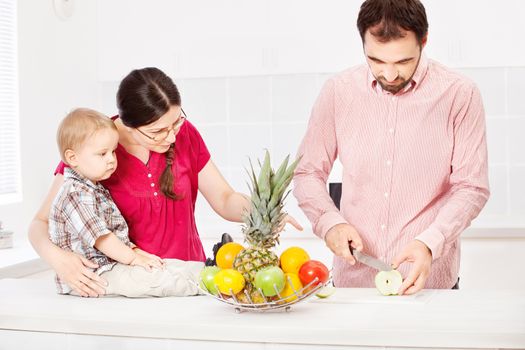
(241, 116)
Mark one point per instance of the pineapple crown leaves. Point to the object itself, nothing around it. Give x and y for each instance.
(267, 198)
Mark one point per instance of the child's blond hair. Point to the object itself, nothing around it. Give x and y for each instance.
(79, 125)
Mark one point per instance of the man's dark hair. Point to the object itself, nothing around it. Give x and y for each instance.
(390, 19)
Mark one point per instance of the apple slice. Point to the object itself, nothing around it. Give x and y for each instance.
(325, 292)
(388, 282)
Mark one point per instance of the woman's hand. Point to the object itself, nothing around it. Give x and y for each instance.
(288, 219)
(75, 271)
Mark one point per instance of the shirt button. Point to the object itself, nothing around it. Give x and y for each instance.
(155, 193)
(391, 130)
(386, 194)
(152, 184)
(388, 162)
(383, 227)
(394, 98)
(149, 175)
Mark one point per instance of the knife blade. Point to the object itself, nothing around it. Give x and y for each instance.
(370, 261)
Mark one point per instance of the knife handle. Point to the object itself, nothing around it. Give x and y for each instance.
(350, 247)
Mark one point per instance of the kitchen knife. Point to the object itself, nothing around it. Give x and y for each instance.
(370, 261)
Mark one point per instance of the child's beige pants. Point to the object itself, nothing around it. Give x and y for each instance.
(136, 281)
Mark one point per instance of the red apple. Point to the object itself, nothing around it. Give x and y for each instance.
(312, 269)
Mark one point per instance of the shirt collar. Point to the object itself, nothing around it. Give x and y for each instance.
(69, 173)
(417, 78)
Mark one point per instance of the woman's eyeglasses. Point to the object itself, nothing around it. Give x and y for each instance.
(163, 134)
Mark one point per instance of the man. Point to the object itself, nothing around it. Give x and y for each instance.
(410, 135)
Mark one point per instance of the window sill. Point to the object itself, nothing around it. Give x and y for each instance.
(20, 260)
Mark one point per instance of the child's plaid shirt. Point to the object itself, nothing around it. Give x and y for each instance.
(80, 214)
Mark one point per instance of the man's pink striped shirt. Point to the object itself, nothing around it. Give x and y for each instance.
(414, 166)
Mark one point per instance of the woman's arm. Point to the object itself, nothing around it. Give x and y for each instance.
(229, 204)
(72, 268)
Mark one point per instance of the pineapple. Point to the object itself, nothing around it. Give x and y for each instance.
(262, 222)
(255, 297)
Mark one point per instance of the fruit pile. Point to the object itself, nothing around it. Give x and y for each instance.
(255, 274)
(295, 274)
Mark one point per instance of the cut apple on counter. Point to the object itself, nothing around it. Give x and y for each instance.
(388, 282)
(325, 292)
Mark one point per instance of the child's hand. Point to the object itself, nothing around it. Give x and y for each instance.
(147, 262)
(148, 255)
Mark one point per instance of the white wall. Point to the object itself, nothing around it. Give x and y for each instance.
(57, 71)
(249, 72)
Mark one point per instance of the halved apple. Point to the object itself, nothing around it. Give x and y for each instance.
(388, 282)
(325, 292)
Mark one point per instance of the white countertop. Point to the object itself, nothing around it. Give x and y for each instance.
(359, 317)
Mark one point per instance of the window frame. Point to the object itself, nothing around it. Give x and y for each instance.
(10, 174)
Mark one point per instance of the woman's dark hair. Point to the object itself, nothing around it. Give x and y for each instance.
(144, 96)
(388, 19)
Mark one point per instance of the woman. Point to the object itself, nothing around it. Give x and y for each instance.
(162, 162)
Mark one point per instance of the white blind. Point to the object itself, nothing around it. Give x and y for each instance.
(10, 187)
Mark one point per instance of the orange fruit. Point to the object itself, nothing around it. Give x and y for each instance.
(229, 281)
(227, 254)
(292, 259)
(289, 288)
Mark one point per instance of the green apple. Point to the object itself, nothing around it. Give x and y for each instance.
(207, 275)
(270, 280)
(388, 282)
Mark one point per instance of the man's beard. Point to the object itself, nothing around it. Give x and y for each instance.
(394, 89)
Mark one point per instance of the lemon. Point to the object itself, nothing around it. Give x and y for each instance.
(229, 281)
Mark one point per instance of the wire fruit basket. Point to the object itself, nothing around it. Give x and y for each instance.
(275, 303)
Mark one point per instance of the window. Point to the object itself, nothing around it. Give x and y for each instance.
(10, 183)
